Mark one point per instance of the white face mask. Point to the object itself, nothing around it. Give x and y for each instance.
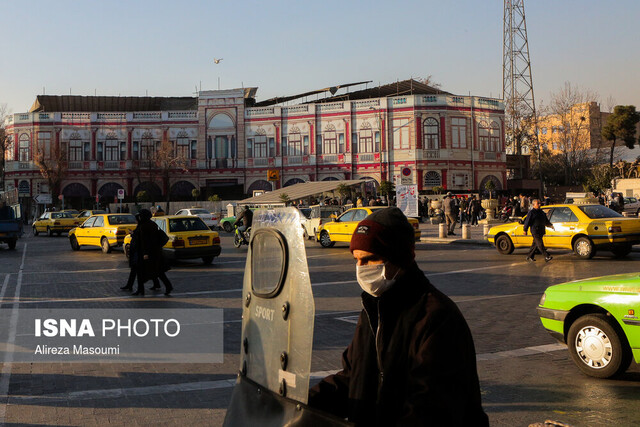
(373, 280)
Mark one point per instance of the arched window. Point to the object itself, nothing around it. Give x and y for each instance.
(432, 179)
(483, 136)
(24, 151)
(431, 134)
(365, 142)
(494, 137)
(182, 145)
(295, 142)
(330, 140)
(147, 146)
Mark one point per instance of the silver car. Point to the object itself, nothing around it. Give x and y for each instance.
(211, 220)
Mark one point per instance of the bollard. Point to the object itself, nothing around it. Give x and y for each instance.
(465, 232)
(485, 230)
(442, 230)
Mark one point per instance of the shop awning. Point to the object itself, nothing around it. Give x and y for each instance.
(301, 191)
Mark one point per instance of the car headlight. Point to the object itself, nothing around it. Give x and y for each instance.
(542, 300)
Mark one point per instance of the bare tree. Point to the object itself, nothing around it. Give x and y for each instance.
(429, 81)
(568, 112)
(167, 160)
(4, 143)
(53, 165)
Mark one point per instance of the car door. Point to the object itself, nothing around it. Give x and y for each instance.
(339, 227)
(358, 216)
(82, 232)
(41, 223)
(564, 223)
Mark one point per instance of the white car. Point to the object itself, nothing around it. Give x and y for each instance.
(632, 205)
(210, 219)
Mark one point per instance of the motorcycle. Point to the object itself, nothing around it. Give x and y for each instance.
(241, 238)
(505, 213)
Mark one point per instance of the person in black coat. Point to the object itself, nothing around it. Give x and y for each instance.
(412, 360)
(150, 263)
(537, 221)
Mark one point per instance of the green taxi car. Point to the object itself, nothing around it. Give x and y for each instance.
(598, 319)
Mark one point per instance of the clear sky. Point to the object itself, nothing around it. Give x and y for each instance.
(166, 48)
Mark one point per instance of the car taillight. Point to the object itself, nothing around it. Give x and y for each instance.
(178, 243)
(215, 240)
(616, 229)
(415, 226)
(56, 222)
(320, 222)
(121, 232)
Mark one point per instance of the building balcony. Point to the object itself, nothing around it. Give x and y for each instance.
(432, 154)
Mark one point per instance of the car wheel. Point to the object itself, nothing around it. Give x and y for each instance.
(504, 245)
(598, 347)
(207, 260)
(12, 243)
(305, 234)
(227, 227)
(104, 244)
(74, 243)
(583, 247)
(126, 250)
(621, 251)
(35, 231)
(49, 232)
(325, 240)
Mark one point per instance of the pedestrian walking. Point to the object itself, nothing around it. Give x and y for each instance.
(450, 213)
(412, 359)
(537, 222)
(150, 262)
(474, 210)
(464, 205)
(133, 261)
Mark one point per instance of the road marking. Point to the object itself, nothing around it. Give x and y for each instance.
(5, 374)
(118, 393)
(349, 319)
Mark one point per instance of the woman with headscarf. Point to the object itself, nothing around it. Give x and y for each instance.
(148, 252)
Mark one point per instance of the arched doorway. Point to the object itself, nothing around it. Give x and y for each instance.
(293, 181)
(77, 196)
(221, 141)
(483, 185)
(182, 190)
(153, 191)
(330, 178)
(260, 184)
(109, 192)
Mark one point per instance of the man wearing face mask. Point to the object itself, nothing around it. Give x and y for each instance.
(412, 359)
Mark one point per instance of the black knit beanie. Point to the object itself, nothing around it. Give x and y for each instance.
(388, 233)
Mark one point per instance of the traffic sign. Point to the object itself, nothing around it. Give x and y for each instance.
(406, 178)
(120, 193)
(273, 175)
(43, 199)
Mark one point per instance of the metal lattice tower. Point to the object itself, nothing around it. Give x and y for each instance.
(517, 84)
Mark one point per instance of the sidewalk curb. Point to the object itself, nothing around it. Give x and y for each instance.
(477, 242)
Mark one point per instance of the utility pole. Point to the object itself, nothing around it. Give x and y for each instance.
(517, 83)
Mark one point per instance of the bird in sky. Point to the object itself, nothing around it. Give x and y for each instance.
(216, 60)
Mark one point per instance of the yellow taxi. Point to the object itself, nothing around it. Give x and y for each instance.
(341, 229)
(581, 228)
(54, 223)
(86, 214)
(105, 231)
(189, 238)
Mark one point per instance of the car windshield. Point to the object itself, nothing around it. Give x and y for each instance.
(306, 212)
(186, 224)
(58, 215)
(599, 211)
(121, 219)
(199, 212)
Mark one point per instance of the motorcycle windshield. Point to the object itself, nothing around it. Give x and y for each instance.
(278, 308)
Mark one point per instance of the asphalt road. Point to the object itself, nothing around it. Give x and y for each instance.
(525, 376)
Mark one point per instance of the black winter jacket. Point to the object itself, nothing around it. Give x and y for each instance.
(411, 362)
(536, 220)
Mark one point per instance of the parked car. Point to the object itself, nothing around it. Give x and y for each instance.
(344, 226)
(209, 218)
(189, 238)
(105, 231)
(598, 319)
(583, 228)
(54, 223)
(73, 212)
(319, 215)
(632, 205)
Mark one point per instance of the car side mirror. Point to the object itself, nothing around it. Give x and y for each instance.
(520, 221)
